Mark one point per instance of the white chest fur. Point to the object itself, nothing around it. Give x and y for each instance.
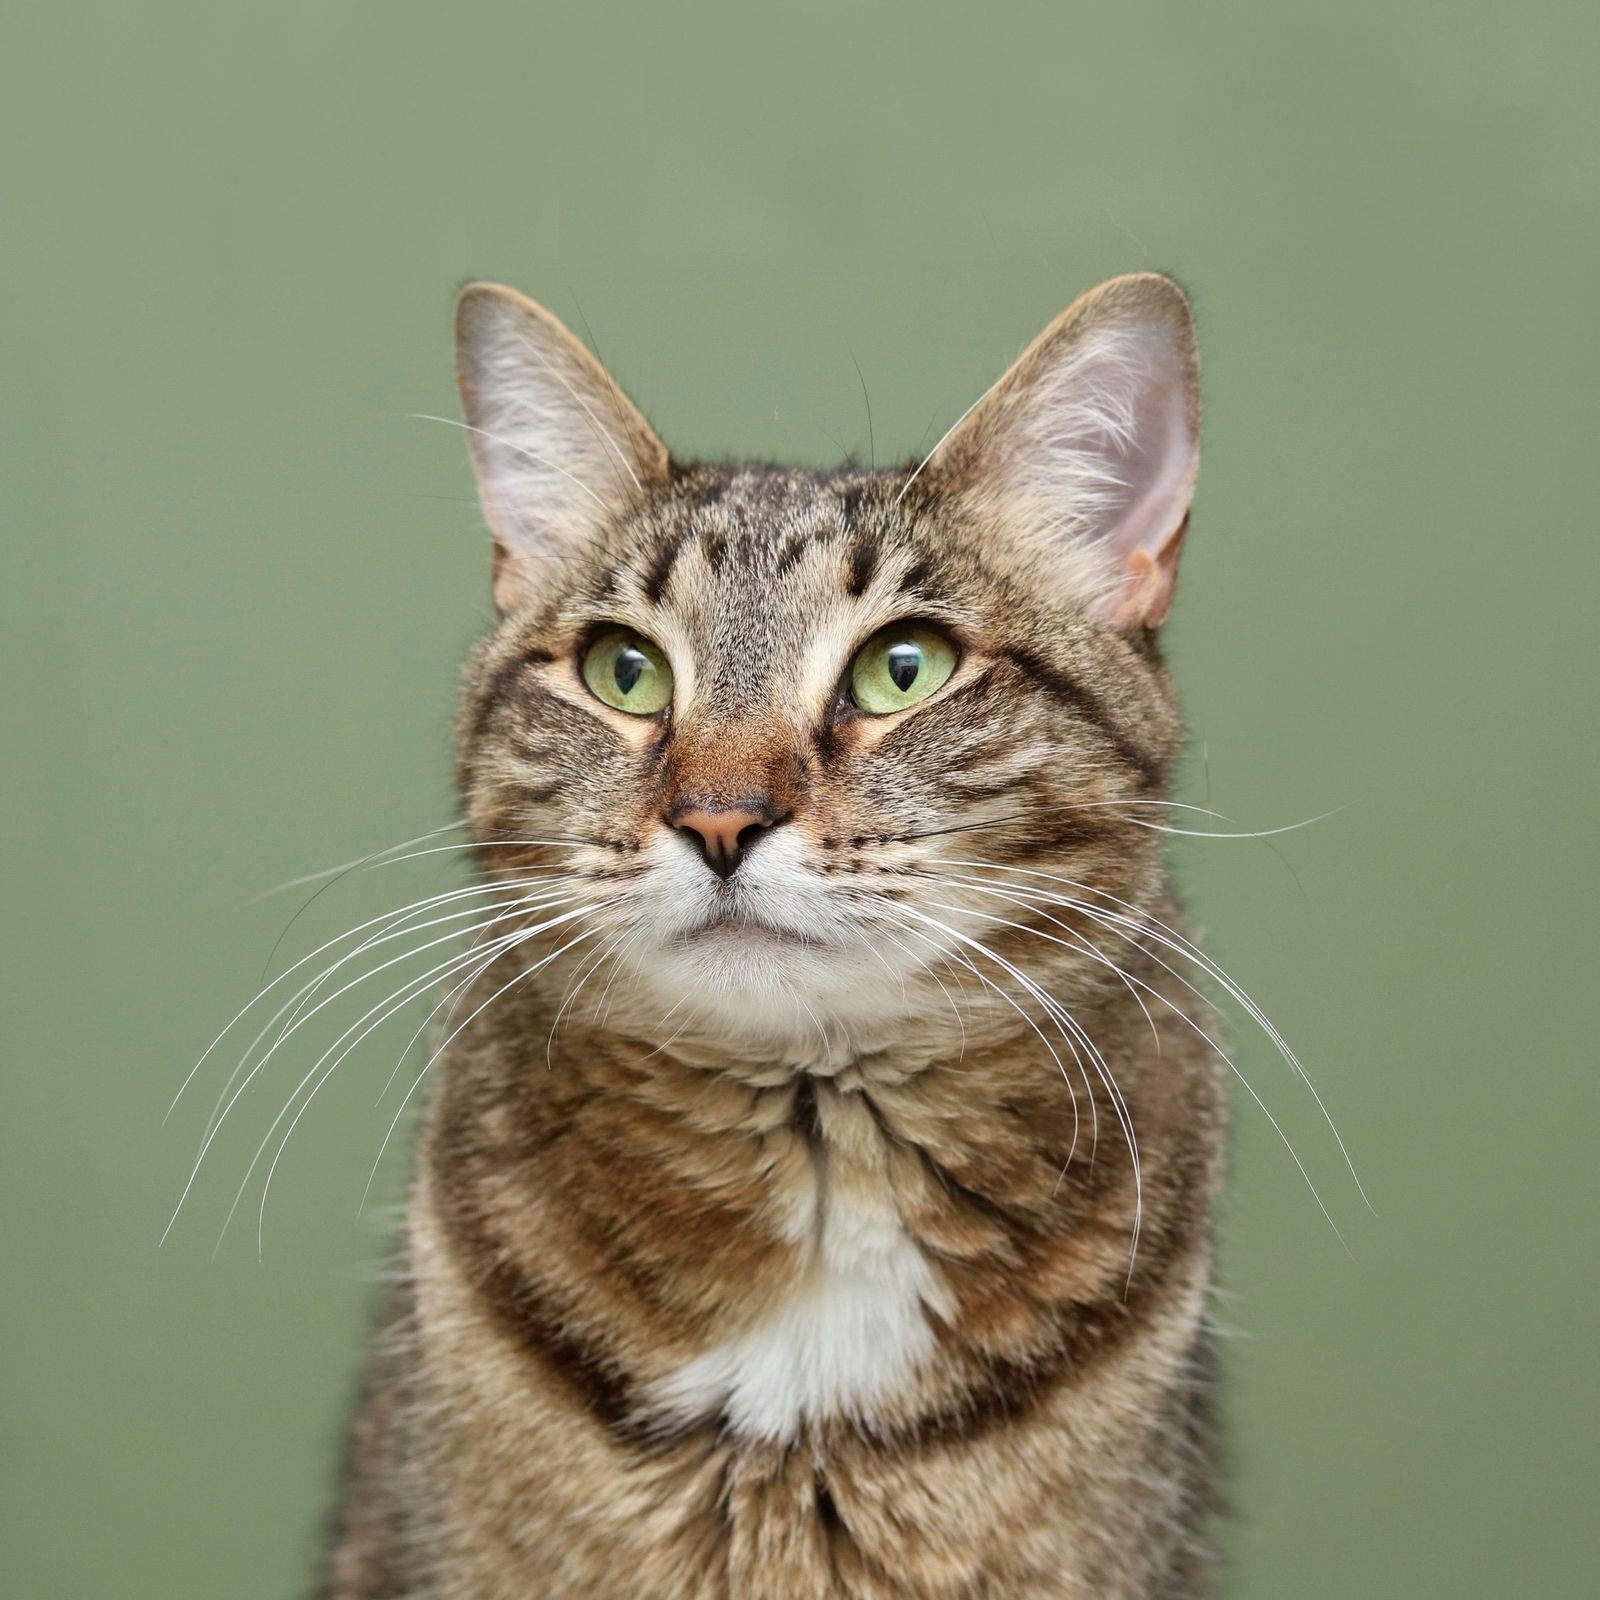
(852, 1331)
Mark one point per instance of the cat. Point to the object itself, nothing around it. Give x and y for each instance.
(848, 1236)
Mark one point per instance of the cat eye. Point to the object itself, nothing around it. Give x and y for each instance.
(898, 666)
(628, 672)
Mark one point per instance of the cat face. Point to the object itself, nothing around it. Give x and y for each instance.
(807, 743)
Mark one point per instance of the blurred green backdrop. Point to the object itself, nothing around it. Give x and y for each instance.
(240, 577)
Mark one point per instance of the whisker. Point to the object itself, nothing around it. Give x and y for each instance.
(905, 487)
(955, 1010)
(572, 995)
(989, 983)
(1088, 949)
(616, 967)
(400, 925)
(594, 421)
(799, 1000)
(1143, 921)
(350, 866)
(412, 989)
(1065, 1020)
(489, 896)
(507, 942)
(452, 998)
(428, 1065)
(335, 875)
(1080, 944)
(894, 977)
(1258, 833)
(1033, 813)
(386, 858)
(263, 992)
(872, 442)
(249, 1077)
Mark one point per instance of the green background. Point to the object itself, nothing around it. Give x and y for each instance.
(239, 579)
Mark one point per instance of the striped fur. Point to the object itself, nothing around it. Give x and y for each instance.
(788, 1253)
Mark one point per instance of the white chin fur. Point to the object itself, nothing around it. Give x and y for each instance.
(800, 956)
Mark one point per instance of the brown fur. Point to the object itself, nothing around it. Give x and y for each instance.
(607, 1188)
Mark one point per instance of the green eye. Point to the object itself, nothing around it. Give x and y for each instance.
(898, 666)
(628, 672)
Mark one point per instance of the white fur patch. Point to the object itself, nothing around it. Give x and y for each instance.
(853, 1332)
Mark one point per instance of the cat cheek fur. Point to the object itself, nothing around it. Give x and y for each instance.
(835, 1226)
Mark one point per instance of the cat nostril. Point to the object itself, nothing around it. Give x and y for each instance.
(723, 836)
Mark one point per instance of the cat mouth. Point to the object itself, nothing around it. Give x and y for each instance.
(741, 925)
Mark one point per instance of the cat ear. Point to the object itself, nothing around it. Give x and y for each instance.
(1083, 456)
(558, 448)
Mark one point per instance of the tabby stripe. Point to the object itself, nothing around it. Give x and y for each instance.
(863, 563)
(1007, 1390)
(1088, 705)
(655, 580)
(715, 546)
(826, 742)
(791, 553)
(501, 682)
(527, 1318)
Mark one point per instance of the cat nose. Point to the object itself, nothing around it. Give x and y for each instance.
(725, 834)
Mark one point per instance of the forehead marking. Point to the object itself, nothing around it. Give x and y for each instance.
(660, 570)
(792, 552)
(863, 564)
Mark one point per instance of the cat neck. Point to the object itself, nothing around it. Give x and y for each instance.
(780, 1245)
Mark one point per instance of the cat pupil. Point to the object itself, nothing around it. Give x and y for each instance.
(904, 662)
(631, 663)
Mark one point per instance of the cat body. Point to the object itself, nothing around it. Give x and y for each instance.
(814, 1201)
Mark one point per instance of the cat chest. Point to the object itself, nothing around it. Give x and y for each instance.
(850, 1333)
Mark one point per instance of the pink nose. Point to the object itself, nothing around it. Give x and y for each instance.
(722, 837)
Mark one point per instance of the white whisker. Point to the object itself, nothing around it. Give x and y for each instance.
(905, 487)
(1258, 833)
(594, 421)
(616, 967)
(955, 1010)
(416, 988)
(1066, 1021)
(572, 994)
(1149, 926)
(295, 1005)
(989, 983)
(220, 1118)
(412, 989)
(428, 1064)
(401, 925)
(1088, 949)
(350, 866)
(261, 994)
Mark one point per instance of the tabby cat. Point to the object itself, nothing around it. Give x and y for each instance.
(814, 1201)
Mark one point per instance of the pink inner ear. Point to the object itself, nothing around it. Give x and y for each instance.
(1147, 594)
(1086, 450)
(1156, 461)
(1137, 433)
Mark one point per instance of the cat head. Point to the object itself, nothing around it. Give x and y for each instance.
(810, 744)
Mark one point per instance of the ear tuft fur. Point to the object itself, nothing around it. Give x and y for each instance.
(1084, 454)
(558, 448)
